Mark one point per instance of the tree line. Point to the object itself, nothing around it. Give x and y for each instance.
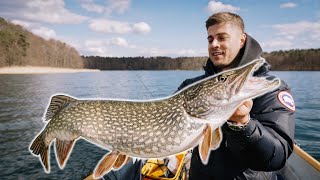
(19, 47)
(144, 63)
(291, 60)
(294, 60)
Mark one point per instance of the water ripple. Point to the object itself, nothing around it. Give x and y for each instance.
(24, 98)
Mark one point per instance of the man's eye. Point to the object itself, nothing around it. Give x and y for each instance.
(222, 38)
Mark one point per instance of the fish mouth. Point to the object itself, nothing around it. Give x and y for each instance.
(245, 85)
(241, 76)
(257, 86)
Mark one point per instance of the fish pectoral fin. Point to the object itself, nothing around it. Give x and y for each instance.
(63, 149)
(105, 164)
(57, 103)
(39, 147)
(127, 160)
(216, 138)
(204, 147)
(121, 160)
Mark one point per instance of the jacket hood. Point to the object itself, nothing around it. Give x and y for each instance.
(250, 51)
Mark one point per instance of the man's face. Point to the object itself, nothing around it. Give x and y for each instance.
(224, 42)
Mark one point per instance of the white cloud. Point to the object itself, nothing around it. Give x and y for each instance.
(104, 47)
(94, 43)
(299, 35)
(152, 51)
(305, 28)
(121, 42)
(189, 52)
(90, 6)
(288, 5)
(52, 11)
(37, 29)
(277, 44)
(110, 26)
(141, 28)
(119, 5)
(45, 32)
(114, 46)
(215, 6)
(95, 47)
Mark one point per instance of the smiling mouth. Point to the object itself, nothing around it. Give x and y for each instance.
(217, 53)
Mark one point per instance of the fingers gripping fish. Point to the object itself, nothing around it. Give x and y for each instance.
(151, 128)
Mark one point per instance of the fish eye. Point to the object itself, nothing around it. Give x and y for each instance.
(222, 78)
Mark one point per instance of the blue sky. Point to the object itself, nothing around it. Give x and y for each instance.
(163, 27)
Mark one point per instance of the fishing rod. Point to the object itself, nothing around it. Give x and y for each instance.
(136, 74)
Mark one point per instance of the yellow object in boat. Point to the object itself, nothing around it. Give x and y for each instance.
(157, 169)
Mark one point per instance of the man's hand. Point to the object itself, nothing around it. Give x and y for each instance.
(241, 115)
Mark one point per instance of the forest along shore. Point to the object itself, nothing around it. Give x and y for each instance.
(41, 70)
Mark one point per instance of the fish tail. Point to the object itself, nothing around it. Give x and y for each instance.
(40, 148)
(63, 150)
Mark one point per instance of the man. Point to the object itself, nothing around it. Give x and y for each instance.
(258, 137)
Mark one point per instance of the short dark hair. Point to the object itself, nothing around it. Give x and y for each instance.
(225, 17)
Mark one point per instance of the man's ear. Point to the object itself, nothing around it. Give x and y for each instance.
(243, 39)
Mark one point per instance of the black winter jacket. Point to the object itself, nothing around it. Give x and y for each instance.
(260, 148)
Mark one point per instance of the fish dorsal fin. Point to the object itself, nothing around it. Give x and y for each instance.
(63, 149)
(204, 147)
(57, 103)
(105, 164)
(216, 138)
(121, 160)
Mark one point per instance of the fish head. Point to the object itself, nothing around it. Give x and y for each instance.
(227, 90)
(242, 85)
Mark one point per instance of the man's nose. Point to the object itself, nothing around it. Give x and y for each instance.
(215, 43)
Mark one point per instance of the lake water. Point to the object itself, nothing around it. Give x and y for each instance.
(24, 98)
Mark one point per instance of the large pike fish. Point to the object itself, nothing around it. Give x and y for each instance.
(150, 128)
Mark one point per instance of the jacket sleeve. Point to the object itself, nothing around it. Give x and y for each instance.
(267, 140)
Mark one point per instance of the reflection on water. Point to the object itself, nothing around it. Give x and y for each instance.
(24, 98)
(306, 91)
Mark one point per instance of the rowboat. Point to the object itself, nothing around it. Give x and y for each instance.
(300, 166)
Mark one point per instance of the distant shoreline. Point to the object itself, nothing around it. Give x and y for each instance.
(41, 70)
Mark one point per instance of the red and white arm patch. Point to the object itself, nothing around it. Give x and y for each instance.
(286, 99)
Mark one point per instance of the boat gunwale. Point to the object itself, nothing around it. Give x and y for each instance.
(308, 158)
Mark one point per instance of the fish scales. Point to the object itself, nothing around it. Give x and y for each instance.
(117, 123)
(152, 128)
